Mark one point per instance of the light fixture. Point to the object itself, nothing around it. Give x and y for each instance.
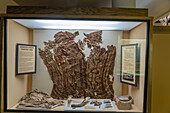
(77, 24)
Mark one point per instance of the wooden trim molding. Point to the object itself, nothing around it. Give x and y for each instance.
(29, 79)
(161, 30)
(77, 11)
(1, 63)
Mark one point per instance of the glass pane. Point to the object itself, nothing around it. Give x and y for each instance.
(76, 65)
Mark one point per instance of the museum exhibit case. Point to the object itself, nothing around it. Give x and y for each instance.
(70, 63)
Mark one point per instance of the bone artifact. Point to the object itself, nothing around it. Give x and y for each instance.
(38, 100)
(69, 100)
(107, 101)
(108, 106)
(89, 107)
(71, 73)
(96, 103)
(83, 103)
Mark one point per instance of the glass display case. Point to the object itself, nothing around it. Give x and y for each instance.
(75, 64)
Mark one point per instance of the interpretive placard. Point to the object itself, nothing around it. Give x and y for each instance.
(25, 59)
(128, 64)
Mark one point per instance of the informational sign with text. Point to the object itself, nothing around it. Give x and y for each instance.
(26, 59)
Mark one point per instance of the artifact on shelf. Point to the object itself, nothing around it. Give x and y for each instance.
(93, 101)
(124, 102)
(36, 99)
(83, 103)
(107, 101)
(98, 104)
(108, 106)
(70, 72)
(69, 100)
(90, 107)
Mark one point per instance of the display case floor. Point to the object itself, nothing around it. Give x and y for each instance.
(61, 108)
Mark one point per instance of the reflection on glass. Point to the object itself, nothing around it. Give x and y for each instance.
(81, 65)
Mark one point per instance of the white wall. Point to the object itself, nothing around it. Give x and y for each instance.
(156, 8)
(41, 80)
(16, 85)
(124, 3)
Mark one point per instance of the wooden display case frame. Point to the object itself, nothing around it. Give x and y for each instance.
(112, 14)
